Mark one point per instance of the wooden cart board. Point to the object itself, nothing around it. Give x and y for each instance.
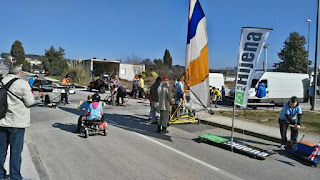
(240, 148)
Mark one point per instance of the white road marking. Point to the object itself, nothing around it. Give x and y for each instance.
(187, 156)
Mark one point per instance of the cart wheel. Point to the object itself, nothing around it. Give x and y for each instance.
(105, 132)
(86, 135)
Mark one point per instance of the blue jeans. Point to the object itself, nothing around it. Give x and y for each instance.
(14, 137)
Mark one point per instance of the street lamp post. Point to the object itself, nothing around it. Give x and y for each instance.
(265, 47)
(315, 78)
(309, 22)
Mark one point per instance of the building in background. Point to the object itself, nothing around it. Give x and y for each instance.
(97, 67)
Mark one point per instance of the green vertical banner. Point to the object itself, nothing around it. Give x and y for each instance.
(251, 43)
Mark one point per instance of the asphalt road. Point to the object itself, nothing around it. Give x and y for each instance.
(133, 149)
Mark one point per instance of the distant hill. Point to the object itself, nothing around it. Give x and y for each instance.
(32, 56)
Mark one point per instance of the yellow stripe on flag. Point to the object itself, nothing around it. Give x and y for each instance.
(199, 68)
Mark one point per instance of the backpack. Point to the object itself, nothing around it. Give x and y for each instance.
(3, 97)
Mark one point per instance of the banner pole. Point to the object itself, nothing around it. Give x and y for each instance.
(234, 109)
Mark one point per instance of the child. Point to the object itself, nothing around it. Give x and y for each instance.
(95, 110)
(85, 106)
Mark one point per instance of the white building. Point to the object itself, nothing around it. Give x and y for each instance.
(125, 71)
(33, 61)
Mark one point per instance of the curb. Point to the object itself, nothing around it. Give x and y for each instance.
(238, 130)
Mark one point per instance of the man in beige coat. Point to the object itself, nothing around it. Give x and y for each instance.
(165, 101)
(17, 118)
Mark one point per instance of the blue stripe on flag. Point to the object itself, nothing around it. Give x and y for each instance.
(197, 15)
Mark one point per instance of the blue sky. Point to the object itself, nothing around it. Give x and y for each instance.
(116, 29)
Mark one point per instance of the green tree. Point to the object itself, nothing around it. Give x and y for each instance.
(293, 55)
(167, 59)
(54, 60)
(158, 62)
(18, 54)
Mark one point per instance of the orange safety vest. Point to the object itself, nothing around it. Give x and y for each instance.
(65, 81)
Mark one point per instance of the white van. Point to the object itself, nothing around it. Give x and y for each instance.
(216, 80)
(281, 86)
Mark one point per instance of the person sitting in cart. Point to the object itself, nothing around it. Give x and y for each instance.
(85, 106)
(287, 117)
(95, 110)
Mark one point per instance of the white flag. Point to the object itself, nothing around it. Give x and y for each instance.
(251, 43)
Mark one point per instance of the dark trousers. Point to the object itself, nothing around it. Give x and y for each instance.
(120, 95)
(64, 96)
(283, 131)
(79, 123)
(141, 93)
(14, 137)
(311, 100)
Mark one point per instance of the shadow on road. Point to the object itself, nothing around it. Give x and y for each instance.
(66, 127)
(296, 159)
(72, 110)
(136, 124)
(127, 122)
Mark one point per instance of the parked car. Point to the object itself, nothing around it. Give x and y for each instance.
(36, 71)
(101, 84)
(54, 73)
(42, 85)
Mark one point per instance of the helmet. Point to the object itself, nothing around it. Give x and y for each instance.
(68, 76)
(96, 98)
(165, 78)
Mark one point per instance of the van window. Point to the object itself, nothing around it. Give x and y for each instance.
(254, 83)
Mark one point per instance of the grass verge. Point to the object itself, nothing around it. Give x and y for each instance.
(310, 119)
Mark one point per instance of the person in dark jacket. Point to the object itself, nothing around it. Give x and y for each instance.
(121, 93)
(287, 117)
(154, 99)
(261, 91)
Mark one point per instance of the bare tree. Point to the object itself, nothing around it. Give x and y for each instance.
(133, 59)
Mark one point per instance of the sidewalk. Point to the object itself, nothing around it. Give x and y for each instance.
(28, 169)
(251, 128)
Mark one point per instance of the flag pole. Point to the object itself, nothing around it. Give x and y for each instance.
(234, 99)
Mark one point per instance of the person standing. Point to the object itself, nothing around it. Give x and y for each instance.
(17, 118)
(223, 92)
(179, 91)
(310, 90)
(287, 117)
(136, 86)
(141, 91)
(32, 80)
(175, 82)
(165, 101)
(154, 99)
(65, 82)
(261, 91)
